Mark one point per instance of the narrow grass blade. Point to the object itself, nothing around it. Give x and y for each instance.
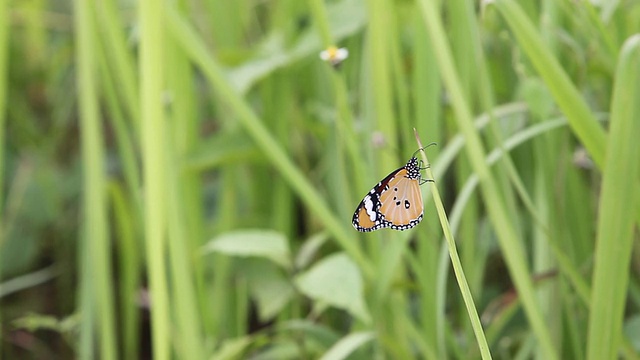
(153, 141)
(617, 210)
(129, 266)
(380, 13)
(457, 265)
(188, 322)
(95, 233)
(465, 291)
(26, 281)
(4, 57)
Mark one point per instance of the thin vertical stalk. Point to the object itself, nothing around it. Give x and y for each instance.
(457, 265)
(4, 56)
(278, 108)
(124, 137)
(184, 211)
(126, 226)
(546, 161)
(378, 41)
(121, 61)
(319, 13)
(94, 237)
(426, 98)
(86, 341)
(153, 132)
(4, 60)
(189, 344)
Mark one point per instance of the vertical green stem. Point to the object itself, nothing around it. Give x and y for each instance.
(97, 274)
(4, 57)
(319, 12)
(617, 211)
(457, 265)
(378, 40)
(153, 133)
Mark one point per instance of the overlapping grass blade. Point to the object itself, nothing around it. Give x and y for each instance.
(619, 202)
(511, 248)
(580, 117)
(97, 295)
(264, 139)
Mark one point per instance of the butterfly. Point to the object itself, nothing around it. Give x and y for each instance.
(395, 202)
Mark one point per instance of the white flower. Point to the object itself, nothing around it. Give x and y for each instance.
(334, 55)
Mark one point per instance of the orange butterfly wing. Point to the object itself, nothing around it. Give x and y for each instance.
(367, 216)
(401, 202)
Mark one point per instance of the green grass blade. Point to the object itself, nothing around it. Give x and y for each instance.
(380, 13)
(617, 210)
(121, 61)
(153, 141)
(4, 58)
(569, 99)
(95, 235)
(124, 136)
(321, 20)
(189, 343)
(129, 267)
(457, 267)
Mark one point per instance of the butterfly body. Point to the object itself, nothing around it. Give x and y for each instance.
(395, 202)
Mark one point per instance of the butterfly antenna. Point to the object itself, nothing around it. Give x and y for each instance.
(422, 148)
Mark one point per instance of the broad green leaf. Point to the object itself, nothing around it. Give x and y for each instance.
(336, 281)
(348, 344)
(320, 333)
(268, 287)
(267, 244)
(309, 250)
(232, 348)
(287, 349)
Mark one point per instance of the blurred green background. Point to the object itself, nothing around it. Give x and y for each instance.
(178, 179)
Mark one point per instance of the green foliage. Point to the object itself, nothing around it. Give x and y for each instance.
(336, 281)
(260, 243)
(178, 179)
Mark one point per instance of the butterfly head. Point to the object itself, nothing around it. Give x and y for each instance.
(413, 169)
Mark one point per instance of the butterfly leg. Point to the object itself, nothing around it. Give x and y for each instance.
(422, 167)
(422, 181)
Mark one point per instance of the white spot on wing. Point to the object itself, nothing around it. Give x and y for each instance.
(368, 206)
